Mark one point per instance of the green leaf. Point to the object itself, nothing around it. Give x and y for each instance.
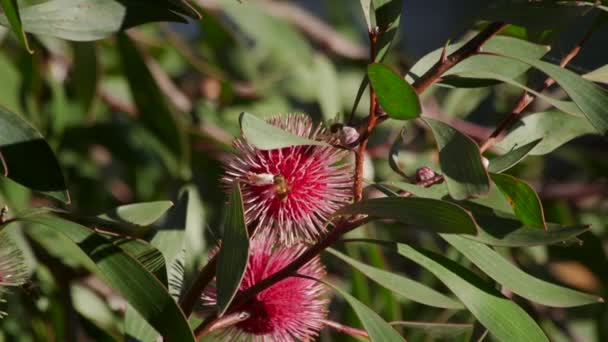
(376, 327)
(85, 75)
(87, 20)
(396, 96)
(555, 128)
(599, 75)
(268, 137)
(11, 12)
(234, 251)
(437, 330)
(518, 281)
(368, 14)
(511, 158)
(149, 256)
(40, 170)
(499, 44)
(505, 320)
(393, 155)
(153, 109)
(127, 276)
(497, 228)
(388, 16)
(140, 214)
(590, 98)
(460, 162)
(424, 213)
(328, 87)
(437, 191)
(401, 285)
(524, 200)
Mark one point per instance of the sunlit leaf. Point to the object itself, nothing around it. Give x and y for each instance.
(522, 198)
(401, 285)
(499, 44)
(86, 20)
(518, 281)
(505, 320)
(376, 327)
(396, 96)
(268, 137)
(555, 128)
(599, 75)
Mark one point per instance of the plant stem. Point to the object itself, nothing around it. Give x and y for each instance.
(371, 124)
(471, 47)
(526, 98)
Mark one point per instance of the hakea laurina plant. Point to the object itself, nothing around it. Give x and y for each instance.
(292, 309)
(13, 269)
(292, 191)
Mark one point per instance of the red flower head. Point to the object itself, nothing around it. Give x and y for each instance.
(292, 191)
(292, 309)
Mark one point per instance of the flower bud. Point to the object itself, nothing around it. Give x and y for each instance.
(348, 135)
(424, 173)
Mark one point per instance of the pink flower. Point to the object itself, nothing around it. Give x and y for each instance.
(292, 309)
(292, 191)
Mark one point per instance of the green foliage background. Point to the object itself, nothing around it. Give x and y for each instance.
(94, 118)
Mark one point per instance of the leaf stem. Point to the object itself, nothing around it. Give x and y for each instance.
(345, 329)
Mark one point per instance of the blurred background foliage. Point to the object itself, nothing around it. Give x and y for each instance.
(150, 114)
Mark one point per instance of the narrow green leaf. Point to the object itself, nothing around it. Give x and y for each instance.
(388, 16)
(437, 330)
(505, 320)
(127, 276)
(140, 214)
(85, 75)
(524, 200)
(590, 98)
(87, 20)
(460, 162)
(396, 96)
(376, 327)
(328, 90)
(11, 12)
(368, 14)
(511, 158)
(499, 44)
(268, 137)
(393, 155)
(424, 213)
(149, 256)
(234, 251)
(497, 228)
(154, 111)
(40, 171)
(437, 191)
(401, 285)
(599, 75)
(555, 128)
(518, 281)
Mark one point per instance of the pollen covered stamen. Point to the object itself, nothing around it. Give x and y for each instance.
(281, 187)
